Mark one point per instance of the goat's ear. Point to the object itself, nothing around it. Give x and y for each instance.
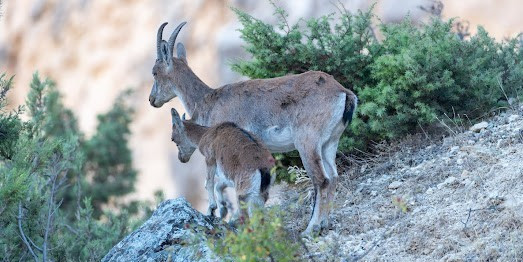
(164, 51)
(180, 52)
(175, 116)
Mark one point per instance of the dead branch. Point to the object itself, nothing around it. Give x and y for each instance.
(22, 234)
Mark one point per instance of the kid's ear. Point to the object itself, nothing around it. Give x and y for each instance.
(180, 52)
(175, 116)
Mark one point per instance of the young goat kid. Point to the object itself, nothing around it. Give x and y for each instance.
(238, 159)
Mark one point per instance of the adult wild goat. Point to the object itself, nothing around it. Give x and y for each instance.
(307, 112)
(241, 161)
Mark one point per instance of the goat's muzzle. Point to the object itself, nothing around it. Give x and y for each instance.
(184, 159)
(152, 101)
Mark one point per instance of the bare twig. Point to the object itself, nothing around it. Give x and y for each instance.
(504, 93)
(52, 206)
(467, 221)
(425, 133)
(70, 229)
(34, 245)
(50, 213)
(22, 234)
(282, 15)
(451, 131)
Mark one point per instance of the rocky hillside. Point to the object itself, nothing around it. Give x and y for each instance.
(428, 198)
(459, 198)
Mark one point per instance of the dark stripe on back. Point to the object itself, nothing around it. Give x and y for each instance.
(247, 134)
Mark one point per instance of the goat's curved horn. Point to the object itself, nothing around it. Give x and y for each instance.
(159, 40)
(172, 39)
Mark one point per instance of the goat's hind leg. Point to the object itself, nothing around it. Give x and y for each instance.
(209, 186)
(312, 161)
(254, 202)
(329, 163)
(249, 203)
(218, 192)
(250, 198)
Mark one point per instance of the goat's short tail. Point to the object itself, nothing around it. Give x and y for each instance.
(351, 102)
(265, 179)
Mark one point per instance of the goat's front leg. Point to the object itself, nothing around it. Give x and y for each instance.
(209, 186)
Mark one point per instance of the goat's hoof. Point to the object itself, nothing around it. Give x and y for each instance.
(313, 231)
(325, 225)
(210, 212)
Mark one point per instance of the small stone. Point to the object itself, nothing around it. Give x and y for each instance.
(429, 191)
(478, 127)
(395, 185)
(513, 118)
(373, 193)
(448, 181)
(465, 173)
(363, 168)
(454, 149)
(499, 144)
(459, 161)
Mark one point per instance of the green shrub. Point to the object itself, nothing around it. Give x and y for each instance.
(53, 185)
(108, 157)
(10, 123)
(415, 75)
(259, 238)
(424, 73)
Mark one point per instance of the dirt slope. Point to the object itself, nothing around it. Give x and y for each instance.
(454, 199)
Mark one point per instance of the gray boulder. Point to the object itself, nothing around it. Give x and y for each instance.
(175, 232)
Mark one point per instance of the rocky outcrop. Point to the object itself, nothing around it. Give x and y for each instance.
(175, 232)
